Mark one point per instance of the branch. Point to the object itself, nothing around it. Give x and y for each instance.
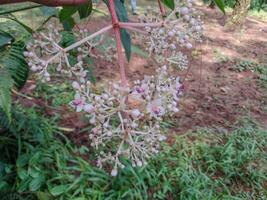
(116, 27)
(48, 2)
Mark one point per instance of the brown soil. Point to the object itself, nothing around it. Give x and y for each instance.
(215, 95)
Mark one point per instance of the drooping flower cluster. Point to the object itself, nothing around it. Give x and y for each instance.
(41, 51)
(45, 54)
(126, 121)
(179, 30)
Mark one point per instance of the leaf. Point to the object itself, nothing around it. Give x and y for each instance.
(65, 16)
(22, 160)
(6, 84)
(43, 196)
(5, 38)
(49, 11)
(121, 11)
(85, 10)
(169, 3)
(125, 36)
(22, 173)
(36, 183)
(139, 51)
(13, 10)
(58, 190)
(16, 65)
(27, 28)
(220, 5)
(68, 24)
(67, 12)
(126, 42)
(67, 39)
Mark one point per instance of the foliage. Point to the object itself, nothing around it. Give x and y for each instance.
(255, 4)
(259, 69)
(13, 73)
(206, 164)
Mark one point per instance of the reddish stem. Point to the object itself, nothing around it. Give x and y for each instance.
(49, 2)
(116, 27)
(161, 8)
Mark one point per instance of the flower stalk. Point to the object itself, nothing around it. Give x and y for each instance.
(116, 28)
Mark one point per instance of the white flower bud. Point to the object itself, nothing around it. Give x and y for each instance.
(105, 96)
(175, 110)
(114, 172)
(97, 98)
(75, 85)
(26, 54)
(92, 121)
(189, 46)
(184, 10)
(30, 54)
(109, 133)
(34, 68)
(139, 163)
(187, 17)
(162, 138)
(88, 108)
(135, 113)
(171, 33)
(198, 28)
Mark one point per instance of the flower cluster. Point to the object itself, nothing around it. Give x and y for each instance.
(179, 30)
(128, 118)
(45, 51)
(41, 51)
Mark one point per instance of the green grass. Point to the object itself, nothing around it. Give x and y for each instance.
(206, 164)
(261, 15)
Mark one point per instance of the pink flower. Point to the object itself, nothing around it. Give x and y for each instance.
(78, 102)
(177, 89)
(155, 108)
(141, 89)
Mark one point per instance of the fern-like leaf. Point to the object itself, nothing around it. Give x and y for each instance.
(16, 65)
(6, 84)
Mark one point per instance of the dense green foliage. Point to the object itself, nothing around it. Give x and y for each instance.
(208, 164)
(255, 4)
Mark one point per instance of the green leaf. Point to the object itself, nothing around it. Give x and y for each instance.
(126, 42)
(49, 11)
(169, 3)
(5, 38)
(22, 173)
(67, 12)
(16, 65)
(65, 17)
(6, 84)
(121, 11)
(58, 190)
(67, 39)
(36, 183)
(27, 28)
(220, 5)
(43, 196)
(85, 10)
(13, 10)
(68, 24)
(125, 36)
(139, 51)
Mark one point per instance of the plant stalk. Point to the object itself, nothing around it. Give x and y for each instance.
(116, 27)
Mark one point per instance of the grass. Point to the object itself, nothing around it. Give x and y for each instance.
(206, 164)
(261, 15)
